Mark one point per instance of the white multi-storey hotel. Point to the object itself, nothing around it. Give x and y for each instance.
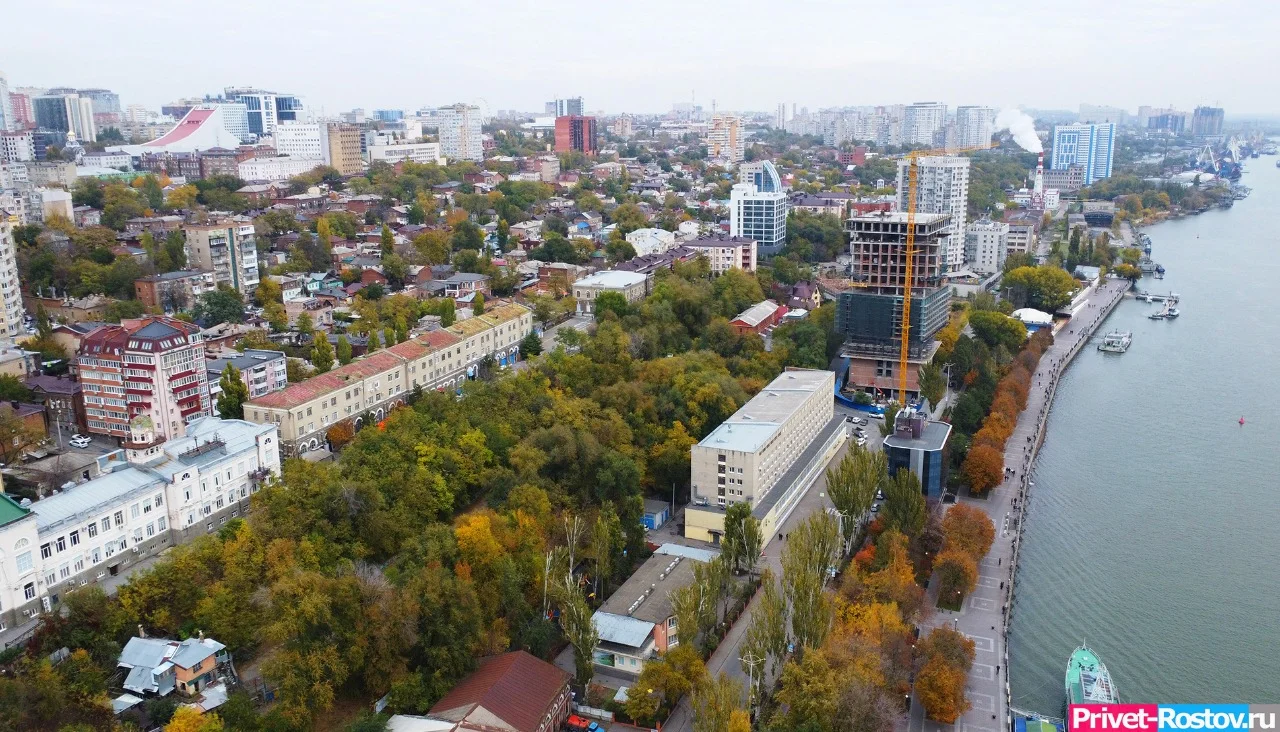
(150, 496)
(942, 187)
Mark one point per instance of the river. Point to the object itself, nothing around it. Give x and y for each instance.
(1151, 527)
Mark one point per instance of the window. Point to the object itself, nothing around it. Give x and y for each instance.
(95, 556)
(51, 578)
(64, 571)
(75, 538)
(106, 524)
(29, 590)
(159, 500)
(133, 511)
(93, 530)
(46, 551)
(61, 544)
(24, 563)
(146, 507)
(151, 529)
(119, 517)
(111, 548)
(79, 565)
(160, 523)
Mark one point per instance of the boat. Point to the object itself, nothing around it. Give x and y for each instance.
(1172, 313)
(1088, 681)
(1117, 341)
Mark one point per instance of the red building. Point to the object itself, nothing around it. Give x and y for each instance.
(857, 156)
(758, 318)
(576, 133)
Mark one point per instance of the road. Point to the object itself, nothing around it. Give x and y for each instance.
(984, 615)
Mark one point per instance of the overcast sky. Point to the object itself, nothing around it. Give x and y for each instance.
(622, 55)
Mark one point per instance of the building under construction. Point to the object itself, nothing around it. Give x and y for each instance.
(869, 309)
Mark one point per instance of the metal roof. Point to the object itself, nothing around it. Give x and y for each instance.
(621, 629)
(93, 496)
(760, 418)
(611, 278)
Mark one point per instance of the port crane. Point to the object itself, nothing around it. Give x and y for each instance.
(913, 176)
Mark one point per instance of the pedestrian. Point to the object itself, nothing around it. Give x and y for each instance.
(998, 561)
(1002, 585)
(997, 670)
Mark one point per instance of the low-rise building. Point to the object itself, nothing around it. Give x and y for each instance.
(263, 372)
(726, 253)
(173, 291)
(758, 318)
(417, 152)
(651, 241)
(63, 400)
(159, 666)
(631, 285)
(511, 692)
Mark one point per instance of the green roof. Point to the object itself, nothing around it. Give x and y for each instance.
(10, 511)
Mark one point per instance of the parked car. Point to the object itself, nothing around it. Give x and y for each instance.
(79, 441)
(879, 495)
(861, 441)
(578, 724)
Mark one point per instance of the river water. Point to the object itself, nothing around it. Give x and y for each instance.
(1151, 530)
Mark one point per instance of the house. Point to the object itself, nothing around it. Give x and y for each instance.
(69, 335)
(631, 285)
(758, 318)
(512, 692)
(86, 216)
(465, 283)
(802, 295)
(32, 417)
(159, 666)
(63, 400)
(372, 276)
(651, 241)
(220, 337)
(70, 310)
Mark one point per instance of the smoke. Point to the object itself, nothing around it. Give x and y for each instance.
(1022, 127)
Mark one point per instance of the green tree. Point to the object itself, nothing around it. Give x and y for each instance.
(13, 390)
(304, 324)
(531, 345)
(374, 342)
(629, 217)
(767, 635)
(611, 302)
(742, 537)
(386, 242)
(175, 247)
(477, 304)
(904, 504)
(806, 565)
(344, 350)
(933, 385)
(321, 352)
(714, 702)
(579, 628)
(852, 486)
(222, 305)
(1045, 288)
(234, 393)
(997, 329)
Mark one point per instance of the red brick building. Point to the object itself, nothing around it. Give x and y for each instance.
(575, 133)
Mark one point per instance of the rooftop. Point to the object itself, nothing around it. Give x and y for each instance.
(932, 438)
(10, 510)
(651, 584)
(758, 313)
(612, 279)
(719, 241)
(513, 691)
(752, 426)
(249, 359)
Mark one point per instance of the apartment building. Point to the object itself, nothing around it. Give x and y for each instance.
(758, 207)
(632, 286)
(369, 388)
(460, 137)
(152, 495)
(986, 246)
(17, 147)
(942, 187)
(173, 291)
(726, 253)
(263, 372)
(575, 133)
(394, 152)
(922, 122)
(11, 310)
(303, 140)
(725, 138)
(1090, 146)
(143, 370)
(228, 248)
(344, 149)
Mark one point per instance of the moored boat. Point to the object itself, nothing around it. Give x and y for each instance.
(1088, 681)
(1117, 341)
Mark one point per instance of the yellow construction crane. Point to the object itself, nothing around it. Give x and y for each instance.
(913, 174)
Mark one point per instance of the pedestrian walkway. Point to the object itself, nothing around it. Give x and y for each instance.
(985, 615)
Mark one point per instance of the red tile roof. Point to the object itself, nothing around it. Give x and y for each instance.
(514, 687)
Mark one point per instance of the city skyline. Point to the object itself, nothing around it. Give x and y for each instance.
(450, 67)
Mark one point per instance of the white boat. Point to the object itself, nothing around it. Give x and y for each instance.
(1117, 341)
(1172, 313)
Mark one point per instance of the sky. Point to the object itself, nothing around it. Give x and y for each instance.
(642, 56)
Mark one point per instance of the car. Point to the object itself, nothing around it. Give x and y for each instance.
(879, 495)
(578, 724)
(875, 508)
(80, 441)
(859, 432)
(861, 441)
(861, 420)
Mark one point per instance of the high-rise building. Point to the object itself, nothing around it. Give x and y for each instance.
(762, 174)
(388, 115)
(571, 107)
(460, 137)
(11, 311)
(144, 374)
(106, 106)
(942, 187)
(725, 140)
(1207, 121)
(66, 113)
(975, 126)
(303, 140)
(344, 148)
(1087, 145)
(228, 248)
(922, 122)
(266, 109)
(17, 147)
(759, 212)
(621, 126)
(7, 122)
(576, 134)
(780, 117)
(986, 244)
(1101, 114)
(24, 115)
(869, 311)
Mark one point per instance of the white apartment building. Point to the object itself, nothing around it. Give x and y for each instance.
(11, 310)
(394, 152)
(264, 110)
(17, 147)
(459, 129)
(986, 244)
(261, 371)
(651, 241)
(303, 140)
(759, 215)
(725, 138)
(151, 496)
(107, 160)
(272, 169)
(726, 253)
(942, 186)
(922, 121)
(369, 388)
(1022, 238)
(975, 126)
(228, 248)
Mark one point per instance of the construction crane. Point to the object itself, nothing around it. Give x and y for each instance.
(913, 175)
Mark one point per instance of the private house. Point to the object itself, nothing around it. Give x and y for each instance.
(159, 666)
(512, 692)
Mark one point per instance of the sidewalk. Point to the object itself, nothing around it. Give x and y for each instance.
(985, 614)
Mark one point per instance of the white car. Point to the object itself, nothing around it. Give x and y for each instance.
(79, 441)
(861, 441)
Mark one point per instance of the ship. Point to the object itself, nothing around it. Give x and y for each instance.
(1117, 341)
(1088, 681)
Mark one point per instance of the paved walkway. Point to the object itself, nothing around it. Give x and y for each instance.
(985, 614)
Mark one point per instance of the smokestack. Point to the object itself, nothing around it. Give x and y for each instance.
(1039, 185)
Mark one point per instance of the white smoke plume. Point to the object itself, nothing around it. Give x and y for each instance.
(1022, 127)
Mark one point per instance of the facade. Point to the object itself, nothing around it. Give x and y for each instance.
(63, 400)
(229, 249)
(264, 110)
(459, 129)
(942, 187)
(975, 126)
(922, 123)
(1207, 121)
(153, 495)
(725, 138)
(637, 622)
(758, 318)
(17, 147)
(1067, 180)
(173, 291)
(344, 149)
(1023, 236)
(986, 244)
(145, 370)
(762, 174)
(69, 113)
(758, 208)
(726, 253)
(24, 114)
(303, 140)
(918, 444)
(418, 152)
(281, 168)
(651, 241)
(575, 133)
(369, 388)
(1088, 145)
(262, 371)
(566, 107)
(632, 286)
(11, 309)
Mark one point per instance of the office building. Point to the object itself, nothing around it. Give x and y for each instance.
(760, 215)
(1207, 121)
(762, 174)
(143, 371)
(1174, 123)
(765, 455)
(263, 372)
(11, 310)
(922, 122)
(918, 444)
(724, 253)
(974, 126)
(633, 286)
(942, 187)
(459, 129)
(393, 152)
(344, 149)
(1088, 145)
(869, 309)
(228, 248)
(571, 107)
(1099, 114)
(638, 623)
(303, 140)
(7, 121)
(264, 109)
(1066, 180)
(70, 113)
(725, 139)
(369, 388)
(276, 168)
(17, 147)
(388, 115)
(105, 104)
(149, 497)
(576, 134)
(986, 245)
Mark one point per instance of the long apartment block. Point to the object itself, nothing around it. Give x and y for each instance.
(371, 387)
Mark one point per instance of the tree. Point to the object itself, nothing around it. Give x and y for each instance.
(182, 198)
(477, 304)
(957, 573)
(714, 701)
(344, 350)
(234, 393)
(296, 370)
(175, 247)
(305, 325)
(742, 537)
(268, 290)
(767, 636)
(1045, 288)
(629, 217)
(955, 648)
(611, 303)
(579, 628)
(968, 529)
(606, 539)
(940, 688)
(276, 317)
(806, 563)
(386, 242)
(997, 329)
(222, 305)
(531, 345)
(904, 506)
(933, 385)
(373, 343)
(852, 486)
(890, 417)
(13, 390)
(984, 468)
(321, 352)
(190, 719)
